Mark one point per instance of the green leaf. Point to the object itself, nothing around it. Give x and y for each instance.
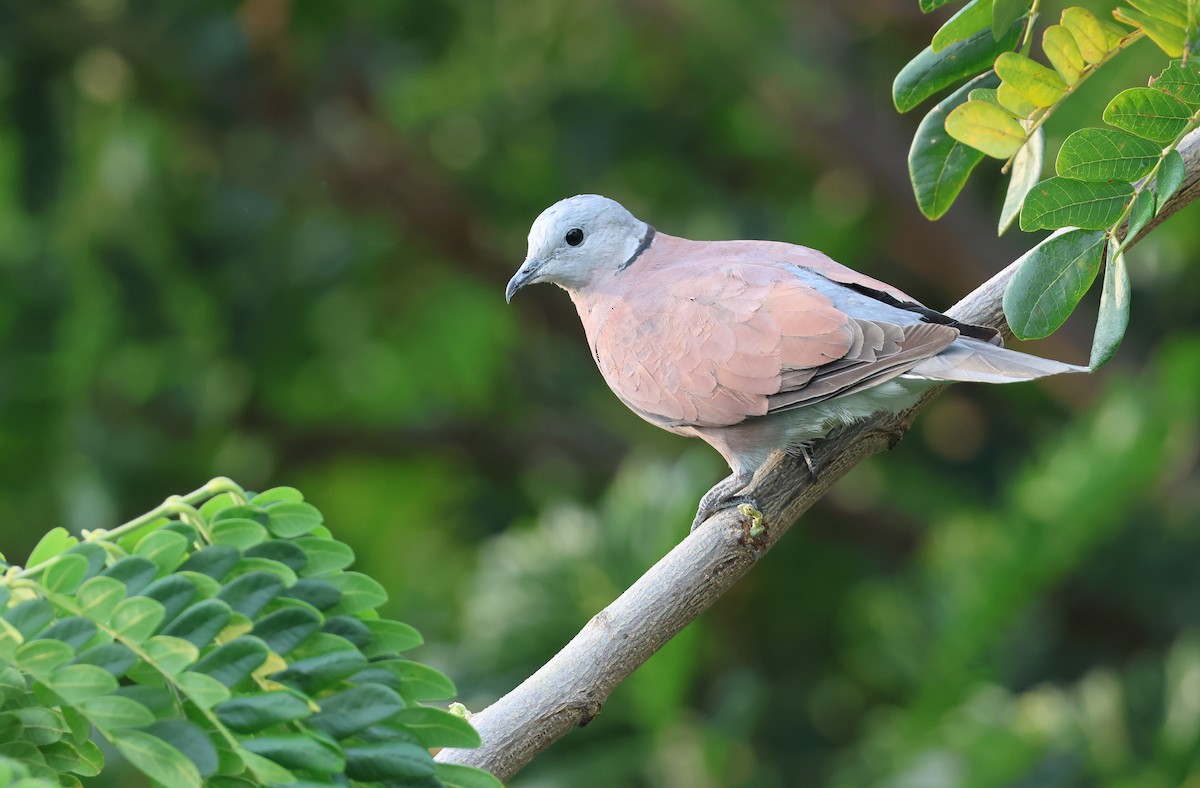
(173, 592)
(83, 758)
(298, 751)
(1026, 170)
(251, 592)
(1006, 12)
(277, 495)
(316, 591)
(454, 775)
(56, 541)
(287, 628)
(938, 164)
(238, 533)
(986, 127)
(136, 618)
(40, 657)
(116, 658)
(234, 661)
(312, 674)
(1088, 32)
(1141, 212)
(390, 637)
(1170, 177)
(351, 628)
(133, 571)
(99, 596)
(1050, 280)
(1172, 12)
(417, 681)
(1058, 42)
(437, 728)
(65, 574)
(75, 631)
(200, 623)
(970, 19)
(289, 520)
(203, 690)
(359, 592)
(41, 726)
(282, 571)
(324, 555)
(1106, 155)
(163, 548)
(390, 761)
(216, 561)
(1180, 82)
(1168, 37)
(190, 739)
(30, 617)
(1061, 202)
(75, 683)
(1040, 85)
(171, 655)
(1148, 113)
(156, 759)
(931, 72)
(282, 551)
(253, 713)
(1113, 317)
(931, 5)
(109, 713)
(351, 710)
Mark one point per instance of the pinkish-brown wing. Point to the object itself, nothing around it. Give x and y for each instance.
(714, 348)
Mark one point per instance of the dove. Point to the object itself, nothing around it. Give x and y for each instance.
(751, 346)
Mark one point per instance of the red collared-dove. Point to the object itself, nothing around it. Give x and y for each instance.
(752, 346)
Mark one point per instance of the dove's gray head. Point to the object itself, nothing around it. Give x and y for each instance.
(578, 239)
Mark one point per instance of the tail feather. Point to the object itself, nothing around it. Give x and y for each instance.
(973, 360)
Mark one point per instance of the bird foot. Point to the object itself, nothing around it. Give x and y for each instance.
(722, 496)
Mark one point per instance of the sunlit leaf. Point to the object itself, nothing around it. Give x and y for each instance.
(201, 689)
(1050, 280)
(1014, 100)
(1106, 155)
(75, 683)
(986, 127)
(938, 164)
(1169, 38)
(1026, 171)
(98, 596)
(65, 574)
(277, 495)
(55, 542)
(1089, 35)
(1113, 317)
(136, 618)
(163, 548)
(970, 19)
(1058, 42)
(41, 726)
(1148, 113)
(109, 713)
(359, 592)
(931, 72)
(1041, 85)
(238, 532)
(1062, 202)
(291, 519)
(324, 555)
(41, 657)
(171, 655)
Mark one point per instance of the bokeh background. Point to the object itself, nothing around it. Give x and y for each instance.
(269, 239)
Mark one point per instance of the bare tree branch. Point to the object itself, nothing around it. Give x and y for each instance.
(569, 689)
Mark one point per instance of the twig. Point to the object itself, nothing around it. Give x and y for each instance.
(567, 691)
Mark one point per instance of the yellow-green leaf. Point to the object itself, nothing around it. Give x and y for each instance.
(1063, 53)
(1089, 34)
(56, 541)
(1037, 83)
(1173, 12)
(971, 18)
(1170, 39)
(1014, 101)
(986, 127)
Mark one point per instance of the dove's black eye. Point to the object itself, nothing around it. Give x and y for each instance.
(574, 236)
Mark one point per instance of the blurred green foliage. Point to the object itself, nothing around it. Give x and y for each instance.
(270, 239)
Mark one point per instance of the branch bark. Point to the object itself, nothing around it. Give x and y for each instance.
(568, 691)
